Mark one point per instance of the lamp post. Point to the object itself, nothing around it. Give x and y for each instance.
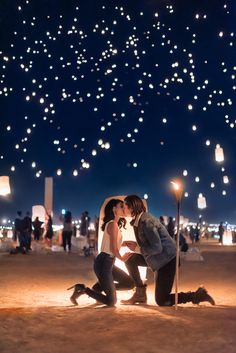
(178, 191)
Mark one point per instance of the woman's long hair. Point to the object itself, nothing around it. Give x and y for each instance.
(109, 214)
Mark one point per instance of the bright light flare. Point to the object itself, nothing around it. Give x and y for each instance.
(176, 186)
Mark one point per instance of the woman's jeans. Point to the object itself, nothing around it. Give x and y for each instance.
(121, 279)
(103, 265)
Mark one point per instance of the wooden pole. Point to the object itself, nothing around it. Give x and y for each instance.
(177, 255)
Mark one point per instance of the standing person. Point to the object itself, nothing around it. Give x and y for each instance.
(159, 251)
(17, 226)
(37, 224)
(103, 264)
(221, 231)
(67, 231)
(48, 230)
(171, 227)
(84, 224)
(197, 234)
(161, 218)
(27, 225)
(192, 234)
(21, 234)
(84, 231)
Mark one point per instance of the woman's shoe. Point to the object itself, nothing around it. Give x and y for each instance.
(79, 289)
(77, 286)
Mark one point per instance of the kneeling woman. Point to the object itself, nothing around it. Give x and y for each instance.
(104, 262)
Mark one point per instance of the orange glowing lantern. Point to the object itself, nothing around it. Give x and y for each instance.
(219, 154)
(4, 186)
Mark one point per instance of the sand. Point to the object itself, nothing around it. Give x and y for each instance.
(37, 316)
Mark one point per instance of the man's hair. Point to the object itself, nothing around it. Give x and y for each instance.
(135, 203)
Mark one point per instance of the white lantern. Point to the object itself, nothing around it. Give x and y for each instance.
(4, 186)
(219, 154)
(225, 179)
(38, 211)
(201, 201)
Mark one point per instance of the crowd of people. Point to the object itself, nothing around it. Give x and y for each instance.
(25, 229)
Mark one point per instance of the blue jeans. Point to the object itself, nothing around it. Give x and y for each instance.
(103, 265)
(121, 279)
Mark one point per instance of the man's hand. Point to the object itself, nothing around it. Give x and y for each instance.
(126, 256)
(130, 244)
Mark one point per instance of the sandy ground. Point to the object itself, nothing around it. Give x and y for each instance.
(36, 314)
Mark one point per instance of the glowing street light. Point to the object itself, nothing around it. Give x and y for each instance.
(178, 191)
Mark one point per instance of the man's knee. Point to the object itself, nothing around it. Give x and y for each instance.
(111, 301)
(131, 261)
(161, 302)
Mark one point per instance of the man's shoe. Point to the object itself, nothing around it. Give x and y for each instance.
(139, 296)
(201, 295)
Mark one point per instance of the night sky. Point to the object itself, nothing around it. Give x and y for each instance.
(118, 97)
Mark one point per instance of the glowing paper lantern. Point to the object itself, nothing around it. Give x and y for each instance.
(4, 186)
(219, 154)
(39, 211)
(225, 179)
(227, 237)
(201, 201)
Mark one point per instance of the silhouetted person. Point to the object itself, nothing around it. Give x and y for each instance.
(49, 230)
(171, 227)
(84, 225)
(17, 226)
(162, 220)
(221, 232)
(27, 228)
(37, 224)
(67, 231)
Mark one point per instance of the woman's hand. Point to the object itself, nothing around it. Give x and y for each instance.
(126, 256)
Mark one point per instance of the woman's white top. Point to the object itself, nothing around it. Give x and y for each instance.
(106, 240)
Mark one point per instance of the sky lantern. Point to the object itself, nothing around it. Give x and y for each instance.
(219, 154)
(201, 202)
(4, 185)
(39, 211)
(225, 179)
